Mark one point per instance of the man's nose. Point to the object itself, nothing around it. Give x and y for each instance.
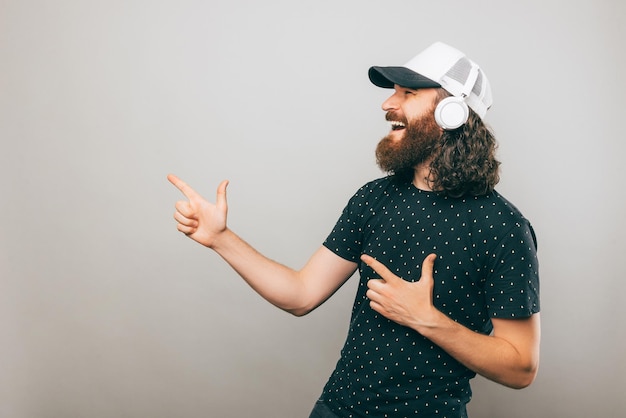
(390, 104)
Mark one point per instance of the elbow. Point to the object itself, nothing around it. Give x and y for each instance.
(521, 383)
(295, 307)
(299, 312)
(303, 308)
(525, 378)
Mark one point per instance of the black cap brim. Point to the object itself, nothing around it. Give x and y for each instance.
(387, 77)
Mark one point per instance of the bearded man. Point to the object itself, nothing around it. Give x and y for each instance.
(449, 283)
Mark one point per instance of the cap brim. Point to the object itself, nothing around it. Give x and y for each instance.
(387, 77)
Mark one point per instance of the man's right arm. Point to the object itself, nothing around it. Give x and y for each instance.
(295, 291)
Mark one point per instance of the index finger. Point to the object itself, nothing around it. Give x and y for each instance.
(378, 267)
(182, 186)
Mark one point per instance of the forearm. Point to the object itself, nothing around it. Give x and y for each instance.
(491, 356)
(278, 284)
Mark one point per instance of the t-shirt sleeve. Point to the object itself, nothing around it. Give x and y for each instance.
(512, 288)
(346, 238)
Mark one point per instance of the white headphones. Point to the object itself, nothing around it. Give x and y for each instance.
(451, 112)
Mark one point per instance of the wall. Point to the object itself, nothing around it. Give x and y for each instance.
(105, 310)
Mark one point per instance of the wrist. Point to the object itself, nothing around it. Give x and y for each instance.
(220, 239)
(434, 323)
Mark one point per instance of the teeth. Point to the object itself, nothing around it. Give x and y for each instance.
(396, 124)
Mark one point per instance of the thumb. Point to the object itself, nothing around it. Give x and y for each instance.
(220, 200)
(379, 268)
(428, 266)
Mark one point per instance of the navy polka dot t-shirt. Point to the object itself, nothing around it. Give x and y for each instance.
(486, 268)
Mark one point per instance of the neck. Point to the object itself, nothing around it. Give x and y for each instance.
(422, 173)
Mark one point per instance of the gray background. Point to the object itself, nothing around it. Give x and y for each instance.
(107, 311)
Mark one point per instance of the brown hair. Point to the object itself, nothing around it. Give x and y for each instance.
(466, 162)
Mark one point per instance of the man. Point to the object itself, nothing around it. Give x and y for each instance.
(449, 281)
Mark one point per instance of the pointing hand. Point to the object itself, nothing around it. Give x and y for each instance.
(197, 218)
(407, 303)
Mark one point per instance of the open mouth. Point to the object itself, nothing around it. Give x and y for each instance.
(396, 125)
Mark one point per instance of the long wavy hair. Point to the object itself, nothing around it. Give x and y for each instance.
(466, 163)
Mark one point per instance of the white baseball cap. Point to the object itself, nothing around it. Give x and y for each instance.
(440, 65)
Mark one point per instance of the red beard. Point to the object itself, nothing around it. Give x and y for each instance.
(421, 137)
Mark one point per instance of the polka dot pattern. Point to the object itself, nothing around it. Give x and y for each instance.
(486, 268)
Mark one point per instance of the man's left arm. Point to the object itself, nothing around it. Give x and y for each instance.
(509, 356)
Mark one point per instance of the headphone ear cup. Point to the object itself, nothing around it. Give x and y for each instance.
(451, 113)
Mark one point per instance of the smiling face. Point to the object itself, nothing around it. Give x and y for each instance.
(414, 133)
(406, 105)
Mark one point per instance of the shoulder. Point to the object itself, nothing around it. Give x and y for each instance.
(504, 216)
(382, 186)
(373, 195)
(373, 189)
(506, 205)
(378, 184)
(494, 203)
